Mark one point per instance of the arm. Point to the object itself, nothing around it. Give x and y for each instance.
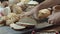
(45, 4)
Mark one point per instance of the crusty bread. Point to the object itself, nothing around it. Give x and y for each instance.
(13, 1)
(25, 1)
(13, 16)
(10, 18)
(4, 18)
(22, 5)
(44, 13)
(16, 9)
(2, 22)
(8, 22)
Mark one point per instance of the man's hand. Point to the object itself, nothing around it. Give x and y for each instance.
(43, 5)
(30, 13)
(54, 19)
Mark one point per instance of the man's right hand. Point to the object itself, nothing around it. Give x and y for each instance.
(33, 12)
(54, 19)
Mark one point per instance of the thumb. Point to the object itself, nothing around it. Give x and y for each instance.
(35, 15)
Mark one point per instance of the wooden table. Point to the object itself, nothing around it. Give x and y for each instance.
(55, 28)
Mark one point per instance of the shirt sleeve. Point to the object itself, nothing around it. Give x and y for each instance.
(47, 4)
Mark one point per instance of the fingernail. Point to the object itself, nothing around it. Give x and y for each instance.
(51, 22)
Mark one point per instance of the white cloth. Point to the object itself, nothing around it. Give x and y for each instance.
(1, 11)
(7, 10)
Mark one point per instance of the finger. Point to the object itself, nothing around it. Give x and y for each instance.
(35, 15)
(50, 21)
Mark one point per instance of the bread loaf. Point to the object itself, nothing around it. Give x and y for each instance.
(44, 13)
(16, 9)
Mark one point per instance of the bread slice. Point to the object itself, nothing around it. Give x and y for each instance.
(27, 25)
(16, 27)
(24, 24)
(27, 21)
